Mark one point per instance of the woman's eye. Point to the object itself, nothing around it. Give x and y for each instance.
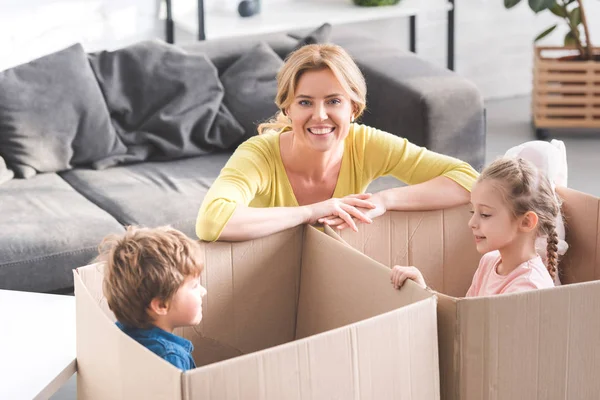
(335, 101)
(471, 212)
(304, 102)
(485, 215)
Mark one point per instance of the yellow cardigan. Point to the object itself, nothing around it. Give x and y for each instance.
(255, 176)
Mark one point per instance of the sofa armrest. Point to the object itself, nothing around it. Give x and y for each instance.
(410, 97)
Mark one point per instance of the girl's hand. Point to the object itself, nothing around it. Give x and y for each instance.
(401, 274)
(347, 209)
(371, 213)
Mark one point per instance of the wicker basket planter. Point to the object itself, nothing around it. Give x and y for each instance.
(566, 92)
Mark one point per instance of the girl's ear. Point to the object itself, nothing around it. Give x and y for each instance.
(158, 307)
(529, 221)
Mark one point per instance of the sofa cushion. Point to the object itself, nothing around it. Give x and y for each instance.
(53, 116)
(320, 35)
(251, 86)
(225, 51)
(48, 229)
(164, 103)
(153, 193)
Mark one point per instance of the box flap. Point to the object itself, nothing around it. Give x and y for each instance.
(207, 350)
(399, 361)
(537, 344)
(447, 322)
(92, 276)
(437, 242)
(581, 211)
(340, 286)
(111, 365)
(334, 234)
(393, 355)
(252, 295)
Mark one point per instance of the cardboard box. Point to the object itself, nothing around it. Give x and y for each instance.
(297, 315)
(541, 344)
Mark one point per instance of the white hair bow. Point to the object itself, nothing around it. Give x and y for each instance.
(551, 159)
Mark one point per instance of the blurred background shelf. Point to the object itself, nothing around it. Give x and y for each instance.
(289, 15)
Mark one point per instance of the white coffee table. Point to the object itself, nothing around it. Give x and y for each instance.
(37, 344)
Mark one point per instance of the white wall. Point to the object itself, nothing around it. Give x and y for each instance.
(32, 28)
(493, 45)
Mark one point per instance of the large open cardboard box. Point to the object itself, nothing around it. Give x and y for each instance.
(297, 315)
(535, 345)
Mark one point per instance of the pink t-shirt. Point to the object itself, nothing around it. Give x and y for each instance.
(530, 275)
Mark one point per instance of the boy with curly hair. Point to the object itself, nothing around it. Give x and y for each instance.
(152, 285)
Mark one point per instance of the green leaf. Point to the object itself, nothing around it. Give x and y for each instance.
(570, 39)
(511, 3)
(545, 33)
(575, 16)
(540, 5)
(558, 10)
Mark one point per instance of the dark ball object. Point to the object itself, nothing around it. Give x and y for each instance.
(374, 3)
(248, 8)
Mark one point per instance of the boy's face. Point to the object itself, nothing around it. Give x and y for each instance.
(185, 308)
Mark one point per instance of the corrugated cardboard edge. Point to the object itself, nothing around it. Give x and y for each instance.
(242, 276)
(538, 344)
(369, 292)
(151, 377)
(445, 257)
(334, 234)
(105, 355)
(582, 222)
(267, 373)
(363, 286)
(582, 212)
(318, 359)
(448, 334)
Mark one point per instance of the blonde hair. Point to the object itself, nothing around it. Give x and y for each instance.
(143, 264)
(525, 188)
(311, 58)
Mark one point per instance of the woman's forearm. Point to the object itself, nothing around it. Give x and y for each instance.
(437, 193)
(248, 223)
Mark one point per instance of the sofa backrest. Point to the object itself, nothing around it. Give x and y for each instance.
(224, 52)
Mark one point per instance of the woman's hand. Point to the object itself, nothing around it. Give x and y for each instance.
(401, 274)
(346, 209)
(371, 213)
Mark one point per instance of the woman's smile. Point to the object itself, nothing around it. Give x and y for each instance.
(321, 130)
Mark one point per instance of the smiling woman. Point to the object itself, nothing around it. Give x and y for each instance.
(312, 162)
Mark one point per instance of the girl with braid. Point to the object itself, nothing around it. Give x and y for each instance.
(512, 204)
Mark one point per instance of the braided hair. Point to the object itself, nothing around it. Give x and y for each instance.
(525, 189)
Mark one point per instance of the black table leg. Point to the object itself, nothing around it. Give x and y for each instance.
(201, 33)
(413, 33)
(169, 27)
(450, 53)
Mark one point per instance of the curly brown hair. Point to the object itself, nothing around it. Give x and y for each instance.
(525, 189)
(146, 263)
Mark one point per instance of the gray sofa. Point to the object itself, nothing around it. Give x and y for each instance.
(53, 222)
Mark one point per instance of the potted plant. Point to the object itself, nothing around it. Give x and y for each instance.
(566, 79)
